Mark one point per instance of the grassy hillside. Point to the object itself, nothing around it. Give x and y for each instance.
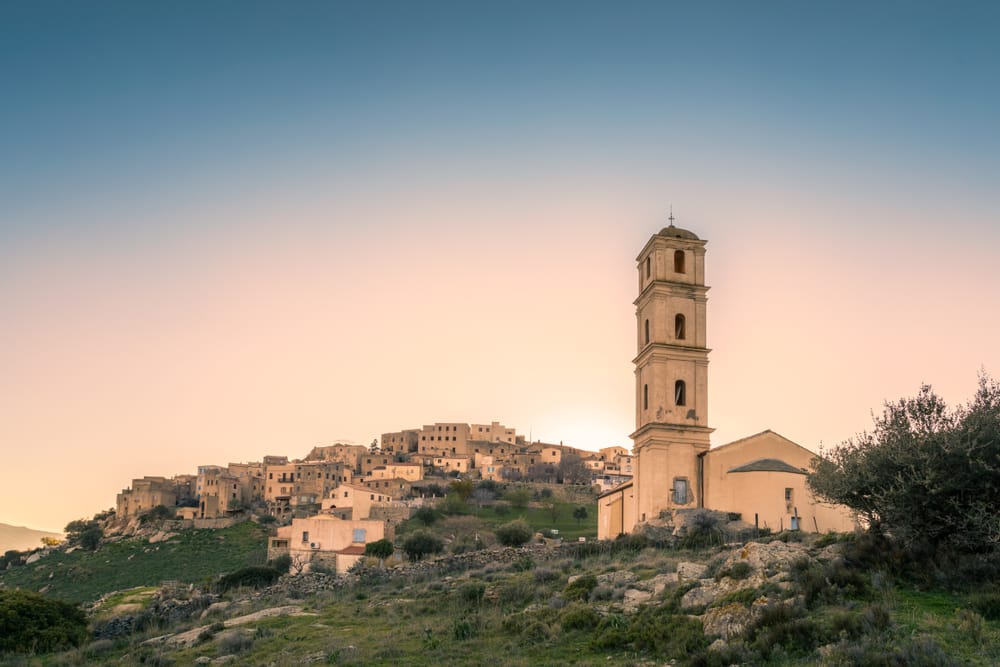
(571, 606)
(192, 556)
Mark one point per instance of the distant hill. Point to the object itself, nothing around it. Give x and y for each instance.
(21, 538)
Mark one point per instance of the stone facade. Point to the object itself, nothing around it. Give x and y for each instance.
(761, 477)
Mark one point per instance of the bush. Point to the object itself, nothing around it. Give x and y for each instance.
(30, 622)
(578, 616)
(660, 630)
(282, 563)
(784, 628)
(426, 515)
(580, 588)
(255, 576)
(380, 549)
(739, 571)
(422, 543)
(514, 534)
(472, 593)
(987, 604)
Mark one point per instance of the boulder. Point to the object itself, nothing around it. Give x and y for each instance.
(727, 621)
(687, 571)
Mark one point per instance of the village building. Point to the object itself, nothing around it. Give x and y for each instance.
(761, 478)
(354, 501)
(332, 541)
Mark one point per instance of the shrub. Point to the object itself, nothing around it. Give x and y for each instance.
(472, 593)
(234, 642)
(739, 571)
(987, 604)
(517, 593)
(660, 630)
(380, 549)
(580, 588)
(30, 622)
(426, 515)
(784, 628)
(422, 543)
(578, 616)
(463, 629)
(255, 576)
(281, 563)
(514, 534)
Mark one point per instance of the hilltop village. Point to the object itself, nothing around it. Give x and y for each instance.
(339, 497)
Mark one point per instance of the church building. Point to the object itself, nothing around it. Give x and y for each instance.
(761, 477)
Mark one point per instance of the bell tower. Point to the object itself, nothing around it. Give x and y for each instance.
(671, 372)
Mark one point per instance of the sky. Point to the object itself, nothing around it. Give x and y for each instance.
(231, 229)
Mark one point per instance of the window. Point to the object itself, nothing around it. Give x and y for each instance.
(679, 326)
(645, 397)
(680, 393)
(648, 268)
(679, 261)
(305, 536)
(358, 535)
(680, 491)
(647, 332)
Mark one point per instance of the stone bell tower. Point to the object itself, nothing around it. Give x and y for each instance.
(671, 373)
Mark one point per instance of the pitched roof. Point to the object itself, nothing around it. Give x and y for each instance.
(620, 487)
(768, 465)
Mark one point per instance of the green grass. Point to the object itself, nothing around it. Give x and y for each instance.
(192, 556)
(540, 518)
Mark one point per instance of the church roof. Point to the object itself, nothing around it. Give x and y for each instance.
(678, 233)
(768, 465)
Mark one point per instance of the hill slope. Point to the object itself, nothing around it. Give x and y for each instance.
(21, 538)
(191, 556)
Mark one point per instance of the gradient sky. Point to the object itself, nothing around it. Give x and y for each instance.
(231, 229)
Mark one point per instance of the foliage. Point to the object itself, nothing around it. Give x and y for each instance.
(282, 563)
(472, 593)
(454, 504)
(572, 469)
(254, 576)
(580, 513)
(579, 616)
(514, 534)
(426, 515)
(580, 588)
(380, 549)
(30, 622)
(519, 497)
(928, 475)
(85, 533)
(51, 542)
(421, 543)
(463, 488)
(158, 513)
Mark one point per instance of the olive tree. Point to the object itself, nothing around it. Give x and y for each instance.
(927, 475)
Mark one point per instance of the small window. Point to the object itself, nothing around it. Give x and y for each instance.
(358, 535)
(645, 397)
(680, 393)
(305, 536)
(648, 268)
(679, 261)
(647, 332)
(679, 327)
(788, 495)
